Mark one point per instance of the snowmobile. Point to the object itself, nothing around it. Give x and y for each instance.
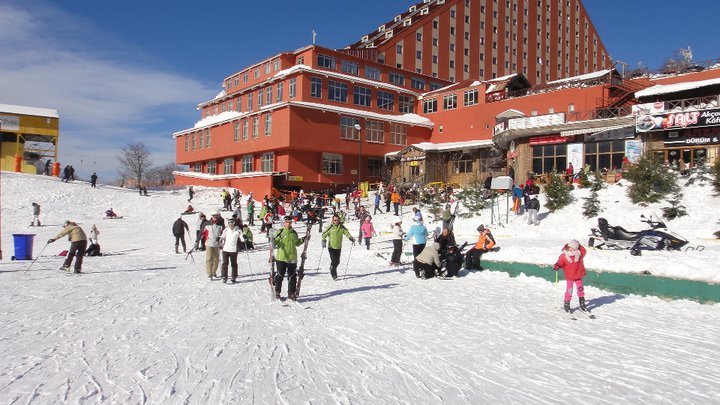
(656, 237)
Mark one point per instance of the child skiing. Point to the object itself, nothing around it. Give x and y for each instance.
(368, 230)
(36, 214)
(398, 234)
(572, 263)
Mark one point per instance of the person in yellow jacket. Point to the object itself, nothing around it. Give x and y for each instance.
(484, 244)
(78, 244)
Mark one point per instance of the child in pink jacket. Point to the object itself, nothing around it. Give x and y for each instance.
(368, 230)
(571, 261)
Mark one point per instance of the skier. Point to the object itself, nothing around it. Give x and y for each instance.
(211, 236)
(191, 192)
(334, 234)
(286, 242)
(368, 230)
(428, 262)
(533, 207)
(251, 211)
(179, 227)
(248, 237)
(201, 223)
(572, 263)
(419, 232)
(93, 180)
(445, 239)
(78, 244)
(229, 240)
(377, 203)
(94, 248)
(110, 213)
(36, 214)
(485, 243)
(395, 199)
(398, 234)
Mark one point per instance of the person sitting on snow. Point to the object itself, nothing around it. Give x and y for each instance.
(189, 209)
(110, 213)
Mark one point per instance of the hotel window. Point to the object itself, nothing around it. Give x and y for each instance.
(418, 54)
(436, 24)
(212, 167)
(375, 132)
(230, 105)
(429, 106)
(268, 162)
(280, 87)
(316, 87)
(228, 166)
(256, 73)
(549, 158)
(268, 124)
(398, 134)
(399, 49)
(261, 98)
(187, 143)
(255, 126)
(239, 103)
(374, 167)
(417, 83)
(250, 102)
(247, 163)
(418, 36)
(245, 77)
(372, 73)
(245, 130)
(362, 96)
(406, 104)
(327, 62)
(236, 132)
(450, 102)
(350, 68)
(435, 42)
(337, 91)
(470, 97)
(464, 165)
(397, 79)
(385, 100)
(452, 47)
(276, 65)
(291, 91)
(332, 163)
(207, 138)
(268, 95)
(267, 68)
(604, 154)
(347, 128)
(197, 167)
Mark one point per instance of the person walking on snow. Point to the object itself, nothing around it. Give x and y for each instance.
(395, 199)
(36, 214)
(368, 230)
(334, 233)
(191, 193)
(572, 263)
(93, 180)
(533, 206)
(377, 203)
(286, 242)
(251, 211)
(78, 244)
(211, 234)
(179, 227)
(230, 240)
(419, 232)
(398, 234)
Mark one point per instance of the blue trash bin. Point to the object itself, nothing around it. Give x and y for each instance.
(23, 246)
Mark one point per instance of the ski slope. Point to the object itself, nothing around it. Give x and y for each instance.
(145, 325)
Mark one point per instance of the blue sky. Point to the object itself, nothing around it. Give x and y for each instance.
(122, 72)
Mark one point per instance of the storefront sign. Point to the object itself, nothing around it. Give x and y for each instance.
(680, 120)
(648, 108)
(575, 156)
(633, 150)
(499, 128)
(295, 178)
(537, 121)
(497, 96)
(9, 123)
(548, 140)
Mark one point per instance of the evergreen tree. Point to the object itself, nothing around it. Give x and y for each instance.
(592, 207)
(651, 181)
(557, 193)
(715, 172)
(473, 197)
(676, 208)
(583, 179)
(701, 174)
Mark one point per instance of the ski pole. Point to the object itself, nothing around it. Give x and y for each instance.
(347, 265)
(38, 256)
(247, 254)
(319, 261)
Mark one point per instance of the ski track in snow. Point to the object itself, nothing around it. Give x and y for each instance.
(147, 327)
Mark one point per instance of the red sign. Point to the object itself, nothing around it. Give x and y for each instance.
(548, 140)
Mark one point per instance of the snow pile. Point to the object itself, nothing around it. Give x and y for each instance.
(145, 325)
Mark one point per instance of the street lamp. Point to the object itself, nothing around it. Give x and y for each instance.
(359, 129)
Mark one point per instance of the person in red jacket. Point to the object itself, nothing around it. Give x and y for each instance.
(571, 261)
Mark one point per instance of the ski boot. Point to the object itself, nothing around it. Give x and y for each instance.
(65, 268)
(292, 297)
(583, 307)
(567, 306)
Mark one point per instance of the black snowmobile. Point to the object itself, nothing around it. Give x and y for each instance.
(656, 237)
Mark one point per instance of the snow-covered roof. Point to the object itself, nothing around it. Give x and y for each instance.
(675, 88)
(581, 78)
(208, 176)
(23, 110)
(447, 146)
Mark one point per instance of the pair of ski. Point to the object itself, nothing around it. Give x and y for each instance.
(300, 270)
(572, 315)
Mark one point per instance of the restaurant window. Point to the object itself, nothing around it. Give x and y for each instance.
(464, 165)
(604, 155)
(375, 132)
(347, 128)
(398, 134)
(549, 158)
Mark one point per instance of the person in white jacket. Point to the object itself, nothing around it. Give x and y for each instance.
(229, 241)
(428, 261)
(211, 235)
(397, 233)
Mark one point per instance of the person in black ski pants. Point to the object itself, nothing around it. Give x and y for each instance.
(286, 242)
(179, 227)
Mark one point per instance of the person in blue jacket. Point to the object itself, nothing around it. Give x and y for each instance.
(420, 233)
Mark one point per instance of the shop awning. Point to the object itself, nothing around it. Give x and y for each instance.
(593, 131)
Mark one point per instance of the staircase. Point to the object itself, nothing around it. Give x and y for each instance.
(622, 93)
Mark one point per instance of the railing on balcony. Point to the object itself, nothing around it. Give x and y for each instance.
(697, 103)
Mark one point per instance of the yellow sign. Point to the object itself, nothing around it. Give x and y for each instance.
(295, 178)
(414, 163)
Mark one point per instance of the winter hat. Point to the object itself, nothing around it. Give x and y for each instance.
(574, 244)
(216, 214)
(397, 220)
(231, 221)
(481, 228)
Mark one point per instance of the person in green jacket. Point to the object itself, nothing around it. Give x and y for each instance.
(286, 242)
(251, 211)
(335, 234)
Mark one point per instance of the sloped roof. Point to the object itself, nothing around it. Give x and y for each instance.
(581, 78)
(23, 110)
(676, 88)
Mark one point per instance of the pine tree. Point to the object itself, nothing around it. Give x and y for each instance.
(715, 172)
(473, 197)
(583, 179)
(557, 193)
(676, 208)
(651, 181)
(701, 174)
(592, 207)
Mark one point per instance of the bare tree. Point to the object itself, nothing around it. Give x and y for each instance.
(135, 162)
(680, 60)
(162, 175)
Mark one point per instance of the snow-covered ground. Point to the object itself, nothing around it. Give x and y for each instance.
(144, 325)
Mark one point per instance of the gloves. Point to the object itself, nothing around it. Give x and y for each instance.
(50, 241)
(324, 244)
(306, 238)
(352, 240)
(555, 268)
